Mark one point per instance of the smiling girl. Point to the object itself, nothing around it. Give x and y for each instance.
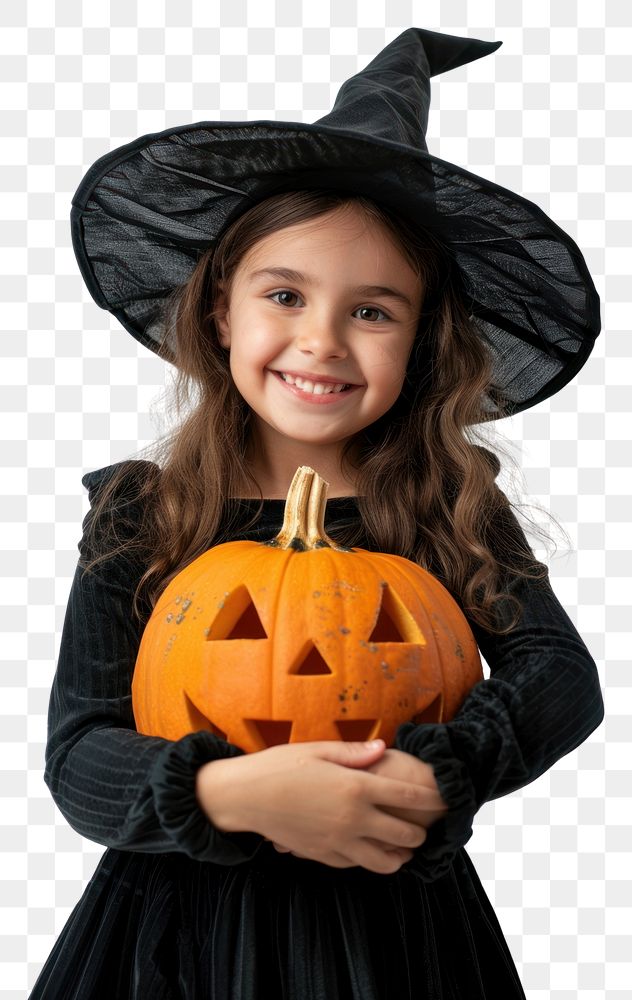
(341, 299)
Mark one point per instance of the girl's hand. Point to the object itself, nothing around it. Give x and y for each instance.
(306, 797)
(405, 767)
(397, 764)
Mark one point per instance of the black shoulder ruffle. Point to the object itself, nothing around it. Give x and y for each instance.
(118, 523)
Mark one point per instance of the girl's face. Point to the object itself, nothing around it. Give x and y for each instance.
(346, 314)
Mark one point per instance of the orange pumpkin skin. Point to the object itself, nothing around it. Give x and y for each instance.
(263, 644)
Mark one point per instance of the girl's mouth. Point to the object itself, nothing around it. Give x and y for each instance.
(320, 399)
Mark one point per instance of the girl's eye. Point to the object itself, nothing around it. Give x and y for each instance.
(372, 309)
(284, 291)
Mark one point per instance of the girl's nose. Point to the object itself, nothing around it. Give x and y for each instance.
(322, 340)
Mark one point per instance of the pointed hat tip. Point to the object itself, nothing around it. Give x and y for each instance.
(445, 52)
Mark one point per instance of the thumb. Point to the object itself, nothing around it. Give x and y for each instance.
(351, 754)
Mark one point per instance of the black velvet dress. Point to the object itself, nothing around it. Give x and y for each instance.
(178, 910)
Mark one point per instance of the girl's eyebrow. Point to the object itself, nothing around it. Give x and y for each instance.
(288, 274)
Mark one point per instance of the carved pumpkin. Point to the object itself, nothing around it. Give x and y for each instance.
(299, 638)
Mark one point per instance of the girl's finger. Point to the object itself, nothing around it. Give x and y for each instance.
(406, 795)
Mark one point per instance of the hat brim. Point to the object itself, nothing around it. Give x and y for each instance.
(145, 212)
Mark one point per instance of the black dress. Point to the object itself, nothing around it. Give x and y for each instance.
(178, 910)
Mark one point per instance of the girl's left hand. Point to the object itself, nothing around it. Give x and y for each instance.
(404, 766)
(397, 764)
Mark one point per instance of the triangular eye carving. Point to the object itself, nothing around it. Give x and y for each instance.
(248, 626)
(237, 618)
(386, 629)
(395, 622)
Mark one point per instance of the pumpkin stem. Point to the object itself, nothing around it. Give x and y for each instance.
(304, 515)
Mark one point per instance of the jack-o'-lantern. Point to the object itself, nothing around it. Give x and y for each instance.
(299, 638)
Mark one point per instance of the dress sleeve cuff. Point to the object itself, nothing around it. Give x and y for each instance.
(172, 780)
(431, 743)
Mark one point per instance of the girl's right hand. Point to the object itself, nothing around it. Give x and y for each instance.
(308, 798)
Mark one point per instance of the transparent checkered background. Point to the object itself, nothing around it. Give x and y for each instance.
(547, 115)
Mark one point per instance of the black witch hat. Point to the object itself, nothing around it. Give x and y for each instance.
(144, 213)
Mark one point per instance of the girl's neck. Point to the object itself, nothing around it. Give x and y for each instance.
(274, 478)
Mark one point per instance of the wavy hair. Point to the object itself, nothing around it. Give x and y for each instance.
(426, 489)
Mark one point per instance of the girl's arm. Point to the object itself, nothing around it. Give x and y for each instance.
(541, 701)
(114, 785)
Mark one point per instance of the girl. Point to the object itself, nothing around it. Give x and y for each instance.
(437, 301)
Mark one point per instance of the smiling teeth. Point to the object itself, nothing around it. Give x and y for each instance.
(318, 388)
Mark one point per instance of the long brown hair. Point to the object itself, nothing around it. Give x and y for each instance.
(426, 489)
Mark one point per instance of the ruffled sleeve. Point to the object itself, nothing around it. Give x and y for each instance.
(115, 786)
(541, 700)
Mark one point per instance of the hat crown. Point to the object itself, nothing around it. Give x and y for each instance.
(390, 97)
